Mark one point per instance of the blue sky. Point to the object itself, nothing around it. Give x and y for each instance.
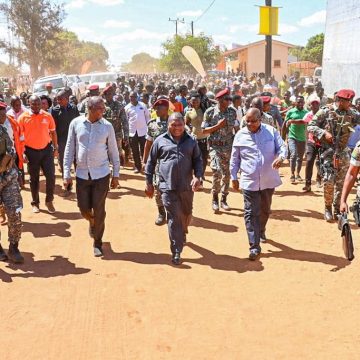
(127, 27)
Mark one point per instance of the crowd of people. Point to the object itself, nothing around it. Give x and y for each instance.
(169, 128)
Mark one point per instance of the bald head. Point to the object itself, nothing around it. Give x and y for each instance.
(254, 112)
(257, 103)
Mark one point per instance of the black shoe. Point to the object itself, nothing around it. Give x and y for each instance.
(307, 188)
(3, 256)
(337, 213)
(328, 215)
(254, 254)
(263, 238)
(98, 251)
(224, 204)
(161, 219)
(215, 203)
(14, 254)
(176, 258)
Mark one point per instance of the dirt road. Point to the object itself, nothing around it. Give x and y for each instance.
(300, 301)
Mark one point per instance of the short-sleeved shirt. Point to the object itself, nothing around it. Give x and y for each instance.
(35, 129)
(195, 118)
(296, 131)
(156, 127)
(355, 155)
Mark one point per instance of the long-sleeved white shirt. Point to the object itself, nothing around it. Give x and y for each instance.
(138, 116)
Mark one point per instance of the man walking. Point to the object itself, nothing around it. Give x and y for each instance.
(38, 132)
(258, 151)
(179, 158)
(92, 142)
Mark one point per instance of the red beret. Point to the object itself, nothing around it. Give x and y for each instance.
(222, 93)
(161, 102)
(266, 99)
(93, 87)
(346, 94)
(109, 87)
(3, 105)
(49, 84)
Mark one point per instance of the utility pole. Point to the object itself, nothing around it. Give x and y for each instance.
(268, 50)
(176, 23)
(192, 28)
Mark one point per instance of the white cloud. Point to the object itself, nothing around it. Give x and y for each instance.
(75, 4)
(79, 4)
(318, 17)
(251, 28)
(114, 24)
(139, 34)
(107, 2)
(224, 19)
(287, 29)
(190, 13)
(82, 31)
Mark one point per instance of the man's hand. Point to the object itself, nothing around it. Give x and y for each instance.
(328, 137)
(195, 183)
(288, 123)
(56, 153)
(344, 207)
(221, 123)
(26, 160)
(277, 163)
(67, 182)
(235, 185)
(149, 190)
(115, 183)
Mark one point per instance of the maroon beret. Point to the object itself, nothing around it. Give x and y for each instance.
(222, 93)
(109, 87)
(265, 99)
(3, 105)
(346, 94)
(93, 87)
(161, 102)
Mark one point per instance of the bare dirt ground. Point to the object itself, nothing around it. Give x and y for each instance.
(300, 301)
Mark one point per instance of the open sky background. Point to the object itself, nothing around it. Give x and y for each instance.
(127, 27)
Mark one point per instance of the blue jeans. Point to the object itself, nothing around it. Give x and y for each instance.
(256, 214)
(297, 150)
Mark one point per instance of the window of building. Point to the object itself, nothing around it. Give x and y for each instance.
(277, 63)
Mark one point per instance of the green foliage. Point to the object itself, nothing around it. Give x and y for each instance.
(173, 60)
(141, 63)
(8, 70)
(313, 51)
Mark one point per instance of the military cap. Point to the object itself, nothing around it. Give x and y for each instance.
(222, 93)
(109, 87)
(266, 93)
(93, 87)
(49, 84)
(3, 105)
(161, 102)
(346, 94)
(265, 99)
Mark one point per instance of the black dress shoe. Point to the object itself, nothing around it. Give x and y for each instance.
(3, 256)
(14, 254)
(98, 251)
(176, 258)
(254, 254)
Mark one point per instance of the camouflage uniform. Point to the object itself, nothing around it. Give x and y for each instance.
(327, 119)
(83, 106)
(220, 143)
(155, 128)
(10, 196)
(115, 114)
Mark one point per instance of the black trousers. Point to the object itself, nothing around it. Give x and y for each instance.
(137, 144)
(61, 150)
(91, 196)
(257, 206)
(311, 153)
(203, 146)
(178, 207)
(43, 159)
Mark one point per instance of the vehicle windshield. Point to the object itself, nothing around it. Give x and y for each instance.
(85, 78)
(40, 84)
(72, 78)
(103, 78)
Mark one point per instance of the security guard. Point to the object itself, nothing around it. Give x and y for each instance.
(93, 90)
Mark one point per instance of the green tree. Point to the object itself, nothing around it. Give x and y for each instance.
(141, 63)
(34, 23)
(313, 51)
(172, 59)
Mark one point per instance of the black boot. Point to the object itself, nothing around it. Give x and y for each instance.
(14, 254)
(161, 219)
(3, 256)
(224, 204)
(215, 202)
(328, 216)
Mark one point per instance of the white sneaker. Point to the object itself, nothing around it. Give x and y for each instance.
(35, 209)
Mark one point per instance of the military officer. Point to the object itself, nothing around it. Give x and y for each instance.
(93, 90)
(221, 123)
(115, 114)
(333, 128)
(10, 192)
(156, 127)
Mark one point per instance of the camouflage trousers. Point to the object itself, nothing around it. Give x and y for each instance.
(11, 199)
(332, 189)
(219, 164)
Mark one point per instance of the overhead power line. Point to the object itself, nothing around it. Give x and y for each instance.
(205, 11)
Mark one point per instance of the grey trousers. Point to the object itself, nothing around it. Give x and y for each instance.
(257, 206)
(178, 207)
(297, 150)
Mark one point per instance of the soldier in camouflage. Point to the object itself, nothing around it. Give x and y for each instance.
(155, 128)
(93, 91)
(10, 192)
(115, 114)
(221, 123)
(333, 127)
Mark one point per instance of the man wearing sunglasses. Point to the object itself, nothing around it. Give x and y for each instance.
(221, 124)
(333, 128)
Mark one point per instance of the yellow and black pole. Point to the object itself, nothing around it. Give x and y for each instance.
(268, 26)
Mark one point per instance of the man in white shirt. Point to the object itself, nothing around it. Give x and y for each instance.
(138, 116)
